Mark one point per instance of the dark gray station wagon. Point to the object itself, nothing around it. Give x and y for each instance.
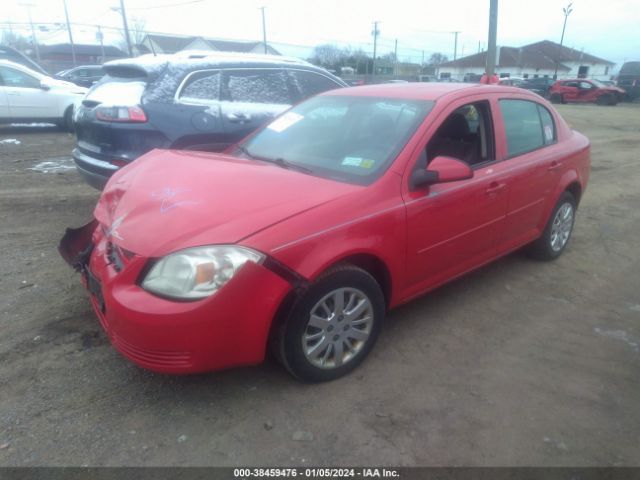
(194, 101)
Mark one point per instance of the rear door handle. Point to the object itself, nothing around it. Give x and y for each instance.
(554, 165)
(238, 117)
(495, 187)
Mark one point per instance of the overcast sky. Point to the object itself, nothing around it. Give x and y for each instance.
(609, 29)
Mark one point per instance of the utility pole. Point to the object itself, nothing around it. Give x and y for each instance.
(566, 11)
(395, 57)
(73, 47)
(126, 28)
(455, 44)
(100, 38)
(34, 40)
(264, 31)
(375, 34)
(493, 34)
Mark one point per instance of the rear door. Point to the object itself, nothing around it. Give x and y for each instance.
(25, 97)
(570, 91)
(250, 97)
(527, 135)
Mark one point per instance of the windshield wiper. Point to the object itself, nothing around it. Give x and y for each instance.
(281, 162)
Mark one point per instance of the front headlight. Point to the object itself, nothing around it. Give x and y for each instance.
(197, 272)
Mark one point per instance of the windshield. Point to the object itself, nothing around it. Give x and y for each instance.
(349, 139)
(598, 84)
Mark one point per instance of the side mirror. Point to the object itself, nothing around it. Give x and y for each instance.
(44, 86)
(441, 169)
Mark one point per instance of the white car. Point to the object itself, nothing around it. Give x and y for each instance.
(29, 96)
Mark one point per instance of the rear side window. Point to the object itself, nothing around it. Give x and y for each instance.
(256, 86)
(548, 127)
(527, 125)
(201, 86)
(311, 83)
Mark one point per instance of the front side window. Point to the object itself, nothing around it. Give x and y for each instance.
(349, 139)
(16, 78)
(256, 86)
(528, 126)
(466, 134)
(311, 83)
(201, 87)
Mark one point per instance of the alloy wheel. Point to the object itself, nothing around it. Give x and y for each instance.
(338, 328)
(561, 227)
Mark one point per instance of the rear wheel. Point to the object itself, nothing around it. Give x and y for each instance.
(67, 120)
(557, 232)
(556, 98)
(333, 326)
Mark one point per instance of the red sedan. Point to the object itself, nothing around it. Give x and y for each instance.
(305, 234)
(585, 91)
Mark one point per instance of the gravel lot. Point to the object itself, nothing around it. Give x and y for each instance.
(521, 363)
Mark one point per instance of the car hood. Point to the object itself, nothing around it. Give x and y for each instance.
(64, 85)
(169, 200)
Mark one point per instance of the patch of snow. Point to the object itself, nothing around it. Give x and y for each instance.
(54, 165)
(117, 93)
(619, 335)
(13, 141)
(248, 108)
(32, 125)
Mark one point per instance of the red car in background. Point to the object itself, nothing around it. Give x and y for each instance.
(585, 91)
(306, 233)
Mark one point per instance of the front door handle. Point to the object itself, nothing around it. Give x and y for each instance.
(554, 165)
(494, 188)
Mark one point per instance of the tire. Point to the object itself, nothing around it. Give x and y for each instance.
(556, 98)
(557, 232)
(326, 346)
(66, 123)
(606, 100)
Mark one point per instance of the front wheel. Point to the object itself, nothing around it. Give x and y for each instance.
(557, 232)
(333, 326)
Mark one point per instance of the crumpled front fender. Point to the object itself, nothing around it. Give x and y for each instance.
(76, 245)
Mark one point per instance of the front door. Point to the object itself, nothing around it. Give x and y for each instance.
(452, 227)
(25, 96)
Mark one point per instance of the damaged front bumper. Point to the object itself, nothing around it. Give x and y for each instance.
(224, 330)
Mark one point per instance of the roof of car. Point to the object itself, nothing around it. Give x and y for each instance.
(421, 90)
(151, 65)
(20, 66)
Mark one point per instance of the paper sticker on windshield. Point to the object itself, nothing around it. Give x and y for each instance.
(285, 121)
(352, 161)
(548, 133)
(367, 163)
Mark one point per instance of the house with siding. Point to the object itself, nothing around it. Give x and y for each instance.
(154, 43)
(540, 59)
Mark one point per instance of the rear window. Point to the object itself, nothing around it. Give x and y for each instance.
(117, 92)
(256, 86)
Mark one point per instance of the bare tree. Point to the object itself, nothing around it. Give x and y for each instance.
(437, 59)
(15, 40)
(329, 56)
(136, 32)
